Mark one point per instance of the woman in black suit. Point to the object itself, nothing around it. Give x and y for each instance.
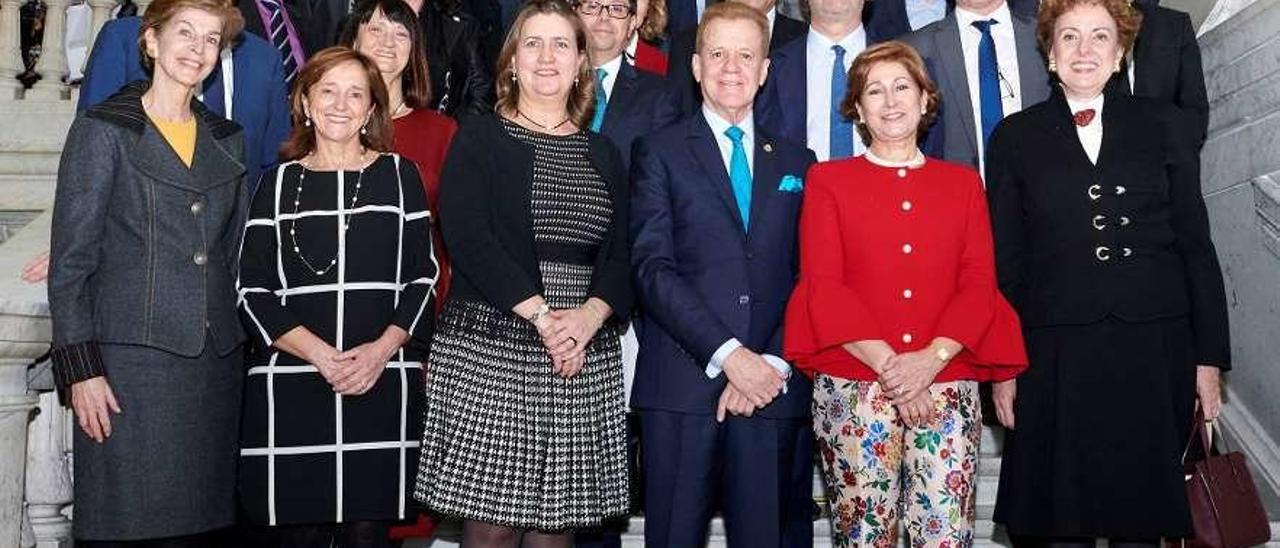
(1102, 245)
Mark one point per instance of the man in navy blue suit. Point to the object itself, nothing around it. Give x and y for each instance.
(247, 86)
(809, 78)
(714, 207)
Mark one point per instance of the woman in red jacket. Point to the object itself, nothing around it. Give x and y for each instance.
(897, 317)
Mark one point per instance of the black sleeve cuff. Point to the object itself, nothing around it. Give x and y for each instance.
(77, 362)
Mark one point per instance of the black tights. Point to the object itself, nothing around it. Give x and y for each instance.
(356, 534)
(1062, 542)
(477, 534)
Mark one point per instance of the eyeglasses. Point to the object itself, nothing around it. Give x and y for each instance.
(616, 11)
(1006, 89)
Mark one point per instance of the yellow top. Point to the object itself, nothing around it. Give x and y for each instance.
(181, 136)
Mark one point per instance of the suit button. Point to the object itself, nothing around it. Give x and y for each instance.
(906, 338)
(197, 207)
(751, 256)
(744, 299)
(902, 173)
(906, 293)
(199, 258)
(906, 205)
(1102, 253)
(906, 249)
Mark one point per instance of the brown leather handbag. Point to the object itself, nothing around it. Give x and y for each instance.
(1225, 509)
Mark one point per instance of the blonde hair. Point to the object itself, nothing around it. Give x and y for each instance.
(733, 11)
(582, 98)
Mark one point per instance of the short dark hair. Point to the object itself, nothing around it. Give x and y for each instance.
(416, 78)
(893, 51)
(302, 139)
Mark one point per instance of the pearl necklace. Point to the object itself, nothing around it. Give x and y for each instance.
(346, 225)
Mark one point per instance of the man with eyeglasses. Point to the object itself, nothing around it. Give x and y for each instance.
(984, 60)
(630, 103)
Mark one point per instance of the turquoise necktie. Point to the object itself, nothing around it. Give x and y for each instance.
(740, 174)
(841, 135)
(602, 100)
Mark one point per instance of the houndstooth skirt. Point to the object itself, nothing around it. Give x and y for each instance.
(508, 442)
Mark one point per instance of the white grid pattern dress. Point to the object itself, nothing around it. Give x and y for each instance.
(506, 441)
(309, 455)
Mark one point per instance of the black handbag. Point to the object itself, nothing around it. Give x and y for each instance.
(1226, 511)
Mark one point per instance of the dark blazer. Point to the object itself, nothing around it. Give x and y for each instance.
(461, 81)
(682, 15)
(700, 278)
(641, 103)
(258, 95)
(939, 45)
(317, 22)
(783, 104)
(680, 67)
(143, 248)
(1127, 238)
(485, 193)
(1167, 66)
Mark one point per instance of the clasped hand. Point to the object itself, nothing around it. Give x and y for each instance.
(753, 384)
(354, 371)
(566, 334)
(905, 379)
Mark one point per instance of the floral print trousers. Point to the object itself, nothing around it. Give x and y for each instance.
(880, 474)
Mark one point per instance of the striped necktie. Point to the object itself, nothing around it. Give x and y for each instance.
(278, 32)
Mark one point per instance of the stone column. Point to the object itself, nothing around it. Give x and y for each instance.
(48, 476)
(15, 412)
(101, 13)
(10, 49)
(52, 65)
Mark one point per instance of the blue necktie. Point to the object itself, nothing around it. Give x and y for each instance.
(988, 80)
(740, 174)
(841, 145)
(602, 101)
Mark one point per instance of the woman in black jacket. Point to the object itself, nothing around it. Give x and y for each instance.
(1102, 245)
(461, 82)
(525, 420)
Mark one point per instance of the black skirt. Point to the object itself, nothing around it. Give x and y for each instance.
(1101, 419)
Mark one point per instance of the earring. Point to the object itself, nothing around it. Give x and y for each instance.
(1117, 66)
(308, 122)
(1053, 66)
(575, 81)
(364, 130)
(513, 76)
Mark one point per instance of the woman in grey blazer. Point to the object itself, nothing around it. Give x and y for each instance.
(146, 338)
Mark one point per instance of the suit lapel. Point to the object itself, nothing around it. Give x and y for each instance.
(1073, 149)
(792, 93)
(952, 54)
(212, 164)
(620, 101)
(706, 151)
(1030, 63)
(764, 179)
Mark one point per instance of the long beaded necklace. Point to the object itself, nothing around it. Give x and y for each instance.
(346, 225)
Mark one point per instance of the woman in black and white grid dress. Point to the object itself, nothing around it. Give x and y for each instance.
(336, 277)
(525, 430)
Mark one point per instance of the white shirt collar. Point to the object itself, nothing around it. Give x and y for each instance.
(771, 15)
(611, 69)
(1095, 104)
(1004, 19)
(854, 42)
(719, 124)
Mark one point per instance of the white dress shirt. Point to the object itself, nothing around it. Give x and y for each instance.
(1090, 135)
(1006, 58)
(818, 59)
(611, 69)
(718, 127)
(631, 47)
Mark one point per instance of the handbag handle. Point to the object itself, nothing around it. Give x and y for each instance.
(1204, 429)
